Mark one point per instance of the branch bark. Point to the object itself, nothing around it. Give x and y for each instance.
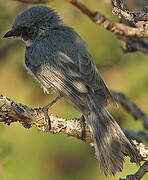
(121, 10)
(16, 112)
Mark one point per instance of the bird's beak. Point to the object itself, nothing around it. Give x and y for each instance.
(9, 34)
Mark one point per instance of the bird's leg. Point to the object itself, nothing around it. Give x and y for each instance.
(83, 126)
(45, 110)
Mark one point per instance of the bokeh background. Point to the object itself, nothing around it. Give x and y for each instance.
(29, 154)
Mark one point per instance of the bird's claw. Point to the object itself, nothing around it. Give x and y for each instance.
(47, 118)
(45, 110)
(83, 126)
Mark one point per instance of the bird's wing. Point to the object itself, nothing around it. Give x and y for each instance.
(58, 71)
(71, 77)
(92, 77)
(89, 77)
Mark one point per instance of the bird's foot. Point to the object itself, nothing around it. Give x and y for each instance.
(45, 110)
(83, 126)
(47, 118)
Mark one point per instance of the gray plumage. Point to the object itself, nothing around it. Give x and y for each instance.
(57, 57)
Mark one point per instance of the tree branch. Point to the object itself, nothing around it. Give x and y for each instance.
(11, 111)
(135, 36)
(139, 174)
(16, 112)
(131, 108)
(121, 10)
(116, 28)
(99, 19)
(139, 136)
(132, 19)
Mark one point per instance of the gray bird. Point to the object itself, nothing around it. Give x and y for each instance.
(57, 57)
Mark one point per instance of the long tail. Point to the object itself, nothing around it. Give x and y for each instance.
(111, 145)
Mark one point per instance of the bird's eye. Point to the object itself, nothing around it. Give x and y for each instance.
(27, 30)
(27, 33)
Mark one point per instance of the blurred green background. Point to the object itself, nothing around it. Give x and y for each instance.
(29, 154)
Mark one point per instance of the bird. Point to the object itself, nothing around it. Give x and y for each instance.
(58, 59)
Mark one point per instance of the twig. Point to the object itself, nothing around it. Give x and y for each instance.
(132, 19)
(117, 28)
(144, 168)
(134, 36)
(139, 174)
(142, 149)
(139, 136)
(122, 12)
(131, 108)
(134, 44)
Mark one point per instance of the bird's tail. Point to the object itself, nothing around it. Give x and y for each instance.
(111, 145)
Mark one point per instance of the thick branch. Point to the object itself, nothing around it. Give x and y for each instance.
(16, 112)
(11, 111)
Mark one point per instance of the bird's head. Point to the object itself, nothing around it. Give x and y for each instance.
(34, 22)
